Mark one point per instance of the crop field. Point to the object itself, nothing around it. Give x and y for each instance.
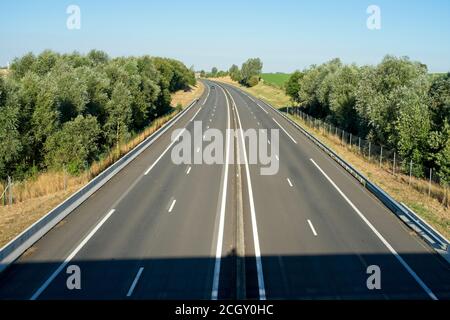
(278, 79)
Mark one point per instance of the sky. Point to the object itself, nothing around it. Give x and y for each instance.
(286, 35)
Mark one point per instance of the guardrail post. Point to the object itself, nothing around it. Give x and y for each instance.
(359, 144)
(370, 145)
(350, 140)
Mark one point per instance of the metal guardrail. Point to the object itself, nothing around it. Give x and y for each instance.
(16, 247)
(412, 220)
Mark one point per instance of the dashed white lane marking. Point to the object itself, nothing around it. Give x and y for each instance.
(289, 181)
(172, 205)
(188, 170)
(390, 248)
(135, 281)
(164, 152)
(198, 149)
(268, 141)
(276, 156)
(195, 115)
(312, 228)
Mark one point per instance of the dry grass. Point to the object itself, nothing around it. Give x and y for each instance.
(184, 97)
(414, 195)
(4, 72)
(36, 196)
(271, 94)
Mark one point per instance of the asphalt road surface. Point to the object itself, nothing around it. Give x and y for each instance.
(161, 230)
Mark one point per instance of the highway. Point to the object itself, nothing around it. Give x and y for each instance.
(160, 230)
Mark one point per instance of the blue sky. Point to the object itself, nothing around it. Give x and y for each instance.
(286, 35)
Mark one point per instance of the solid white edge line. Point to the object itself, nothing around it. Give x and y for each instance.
(135, 281)
(164, 152)
(216, 275)
(267, 112)
(259, 269)
(390, 248)
(209, 90)
(312, 228)
(284, 130)
(70, 257)
(172, 205)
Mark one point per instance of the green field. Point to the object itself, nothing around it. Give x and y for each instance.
(278, 79)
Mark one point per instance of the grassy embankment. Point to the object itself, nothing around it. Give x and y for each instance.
(273, 95)
(36, 196)
(414, 196)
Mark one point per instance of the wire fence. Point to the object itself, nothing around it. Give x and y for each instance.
(424, 179)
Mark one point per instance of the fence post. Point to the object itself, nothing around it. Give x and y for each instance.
(370, 145)
(429, 184)
(359, 144)
(381, 155)
(410, 172)
(4, 195)
(342, 140)
(65, 177)
(10, 190)
(350, 140)
(393, 168)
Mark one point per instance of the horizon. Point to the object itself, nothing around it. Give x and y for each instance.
(279, 33)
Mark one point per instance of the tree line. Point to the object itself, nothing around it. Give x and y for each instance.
(69, 109)
(396, 103)
(249, 75)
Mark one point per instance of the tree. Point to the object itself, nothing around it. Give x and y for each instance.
(440, 100)
(10, 145)
(214, 72)
(412, 126)
(252, 68)
(381, 90)
(342, 99)
(293, 86)
(75, 145)
(235, 73)
(97, 57)
(118, 114)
